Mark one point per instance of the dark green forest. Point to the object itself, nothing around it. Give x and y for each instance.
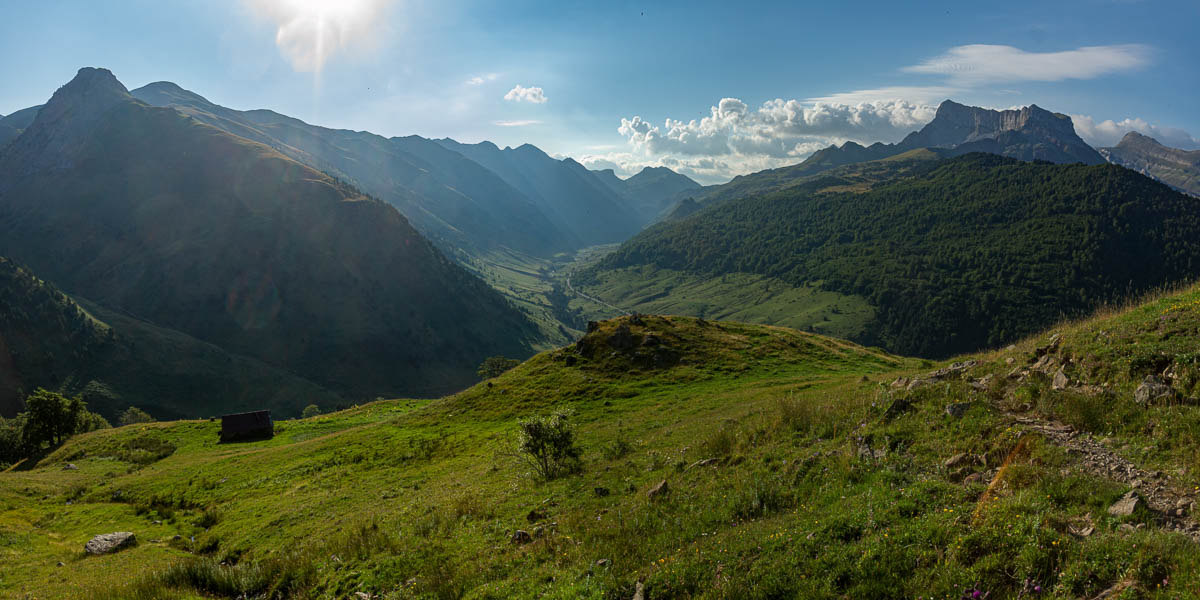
(958, 255)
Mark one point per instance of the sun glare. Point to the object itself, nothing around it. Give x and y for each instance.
(309, 32)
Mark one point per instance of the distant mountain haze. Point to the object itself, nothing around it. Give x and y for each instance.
(569, 194)
(449, 198)
(651, 192)
(1179, 169)
(158, 215)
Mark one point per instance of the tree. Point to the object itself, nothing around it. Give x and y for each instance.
(310, 411)
(133, 415)
(495, 366)
(547, 443)
(52, 417)
(12, 439)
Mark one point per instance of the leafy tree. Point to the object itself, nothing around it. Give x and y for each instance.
(495, 366)
(12, 439)
(310, 411)
(547, 443)
(52, 418)
(133, 415)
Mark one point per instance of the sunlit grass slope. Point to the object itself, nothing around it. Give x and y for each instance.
(794, 467)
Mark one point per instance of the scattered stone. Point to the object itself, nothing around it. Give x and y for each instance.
(158, 522)
(1011, 347)
(956, 460)
(70, 467)
(958, 409)
(535, 515)
(176, 538)
(1010, 360)
(600, 491)
(973, 478)
(539, 531)
(604, 562)
(659, 490)
(1060, 381)
(704, 463)
(1044, 364)
(1151, 389)
(61, 564)
(110, 542)
(521, 537)
(1050, 348)
(1126, 505)
(901, 382)
(639, 593)
(953, 370)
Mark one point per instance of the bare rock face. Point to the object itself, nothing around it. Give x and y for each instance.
(110, 542)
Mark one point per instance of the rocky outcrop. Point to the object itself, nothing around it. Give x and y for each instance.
(110, 542)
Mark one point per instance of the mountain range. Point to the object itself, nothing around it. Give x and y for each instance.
(1179, 169)
(152, 213)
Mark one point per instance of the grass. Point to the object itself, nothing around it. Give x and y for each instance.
(736, 297)
(788, 477)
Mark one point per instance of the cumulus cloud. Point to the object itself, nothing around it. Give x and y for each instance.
(777, 129)
(482, 79)
(977, 63)
(521, 93)
(1109, 132)
(309, 32)
(521, 123)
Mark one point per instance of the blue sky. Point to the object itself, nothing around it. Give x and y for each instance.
(711, 89)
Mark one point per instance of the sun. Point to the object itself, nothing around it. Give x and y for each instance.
(309, 32)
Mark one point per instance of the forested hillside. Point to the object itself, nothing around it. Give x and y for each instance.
(970, 252)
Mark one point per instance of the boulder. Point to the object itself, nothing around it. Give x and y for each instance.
(958, 409)
(1126, 505)
(521, 537)
(956, 460)
(1060, 381)
(70, 467)
(110, 542)
(659, 490)
(1152, 389)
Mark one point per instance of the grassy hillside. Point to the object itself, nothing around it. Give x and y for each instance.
(961, 254)
(796, 465)
(114, 361)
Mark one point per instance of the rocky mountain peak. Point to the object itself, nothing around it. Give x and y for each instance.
(64, 122)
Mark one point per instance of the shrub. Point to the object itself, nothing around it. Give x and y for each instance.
(547, 443)
(495, 366)
(310, 411)
(134, 415)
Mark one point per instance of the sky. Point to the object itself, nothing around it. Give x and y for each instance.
(710, 89)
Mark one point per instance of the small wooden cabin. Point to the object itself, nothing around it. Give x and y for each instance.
(247, 426)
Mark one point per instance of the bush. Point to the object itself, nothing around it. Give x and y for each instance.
(547, 443)
(134, 415)
(496, 366)
(310, 411)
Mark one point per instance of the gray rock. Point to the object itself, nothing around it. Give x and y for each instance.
(604, 562)
(956, 460)
(110, 542)
(639, 593)
(539, 531)
(521, 537)
(958, 409)
(1151, 389)
(1060, 381)
(659, 490)
(1126, 505)
(70, 467)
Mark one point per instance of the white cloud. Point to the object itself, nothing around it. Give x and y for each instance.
(309, 32)
(1109, 132)
(979, 63)
(521, 93)
(779, 128)
(932, 94)
(521, 123)
(482, 79)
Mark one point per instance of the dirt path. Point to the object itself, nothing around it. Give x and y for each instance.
(1172, 508)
